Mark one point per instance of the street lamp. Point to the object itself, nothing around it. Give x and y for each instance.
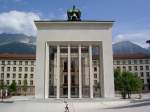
(148, 42)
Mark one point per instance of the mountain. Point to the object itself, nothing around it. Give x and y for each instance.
(127, 47)
(20, 43)
(18, 47)
(9, 38)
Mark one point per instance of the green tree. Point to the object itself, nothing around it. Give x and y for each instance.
(13, 88)
(127, 83)
(3, 87)
(25, 87)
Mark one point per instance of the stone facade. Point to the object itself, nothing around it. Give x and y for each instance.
(17, 68)
(84, 36)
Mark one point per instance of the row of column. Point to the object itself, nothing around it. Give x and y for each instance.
(69, 72)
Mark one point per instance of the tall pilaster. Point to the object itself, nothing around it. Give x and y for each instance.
(58, 72)
(69, 72)
(91, 71)
(46, 85)
(80, 77)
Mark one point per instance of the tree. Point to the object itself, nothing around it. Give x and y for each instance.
(3, 87)
(25, 86)
(127, 83)
(12, 88)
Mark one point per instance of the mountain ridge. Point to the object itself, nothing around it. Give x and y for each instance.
(20, 43)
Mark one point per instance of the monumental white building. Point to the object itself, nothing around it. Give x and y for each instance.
(74, 58)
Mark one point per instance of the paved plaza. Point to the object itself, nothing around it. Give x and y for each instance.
(29, 104)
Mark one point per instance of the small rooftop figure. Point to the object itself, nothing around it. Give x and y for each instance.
(74, 14)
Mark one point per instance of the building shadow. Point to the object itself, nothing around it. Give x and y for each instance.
(133, 105)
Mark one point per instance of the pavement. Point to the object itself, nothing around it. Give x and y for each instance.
(30, 104)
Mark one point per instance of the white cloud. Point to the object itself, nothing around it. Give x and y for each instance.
(18, 22)
(136, 37)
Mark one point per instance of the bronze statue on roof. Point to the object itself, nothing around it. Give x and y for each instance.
(74, 14)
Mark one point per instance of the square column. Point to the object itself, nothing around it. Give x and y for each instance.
(91, 71)
(80, 77)
(58, 72)
(69, 72)
(46, 85)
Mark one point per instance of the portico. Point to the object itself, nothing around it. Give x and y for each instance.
(71, 80)
(74, 58)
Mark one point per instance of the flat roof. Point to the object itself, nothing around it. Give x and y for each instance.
(10, 56)
(130, 56)
(82, 21)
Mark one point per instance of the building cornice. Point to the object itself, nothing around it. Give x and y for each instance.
(59, 24)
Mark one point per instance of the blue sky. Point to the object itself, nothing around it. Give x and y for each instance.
(132, 16)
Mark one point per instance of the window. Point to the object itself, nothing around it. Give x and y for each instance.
(32, 62)
(114, 62)
(95, 69)
(8, 62)
(8, 75)
(146, 61)
(13, 81)
(14, 69)
(20, 69)
(65, 79)
(65, 66)
(26, 62)
(72, 66)
(124, 62)
(20, 62)
(14, 75)
(118, 62)
(95, 82)
(3, 62)
(142, 80)
(147, 67)
(2, 69)
(95, 75)
(2, 75)
(135, 68)
(19, 82)
(73, 79)
(147, 74)
(31, 75)
(25, 75)
(8, 68)
(135, 61)
(32, 69)
(7, 81)
(94, 62)
(130, 68)
(118, 68)
(124, 68)
(141, 67)
(14, 62)
(148, 80)
(141, 61)
(129, 61)
(142, 74)
(19, 75)
(26, 69)
(31, 82)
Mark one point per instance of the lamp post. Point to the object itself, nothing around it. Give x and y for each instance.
(148, 42)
